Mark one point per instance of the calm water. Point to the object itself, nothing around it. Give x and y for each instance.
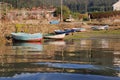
(81, 59)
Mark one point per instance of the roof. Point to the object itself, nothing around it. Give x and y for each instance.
(117, 3)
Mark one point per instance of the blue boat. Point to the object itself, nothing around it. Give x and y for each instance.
(66, 31)
(27, 37)
(54, 22)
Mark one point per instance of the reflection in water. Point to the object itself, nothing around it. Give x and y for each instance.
(57, 76)
(104, 43)
(99, 58)
(28, 46)
(58, 42)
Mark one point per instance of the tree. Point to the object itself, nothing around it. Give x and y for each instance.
(74, 5)
(66, 12)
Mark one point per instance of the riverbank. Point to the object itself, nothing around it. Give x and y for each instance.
(7, 28)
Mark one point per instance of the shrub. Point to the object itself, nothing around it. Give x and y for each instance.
(97, 15)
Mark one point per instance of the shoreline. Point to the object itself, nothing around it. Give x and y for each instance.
(7, 28)
(94, 34)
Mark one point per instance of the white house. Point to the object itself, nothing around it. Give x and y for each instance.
(116, 6)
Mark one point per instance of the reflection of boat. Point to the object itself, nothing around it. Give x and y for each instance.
(104, 43)
(54, 36)
(56, 42)
(26, 37)
(116, 52)
(28, 46)
(83, 42)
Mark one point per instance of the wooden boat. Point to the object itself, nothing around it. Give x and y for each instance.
(78, 29)
(100, 27)
(27, 37)
(54, 36)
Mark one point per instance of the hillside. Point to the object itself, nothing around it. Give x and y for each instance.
(74, 5)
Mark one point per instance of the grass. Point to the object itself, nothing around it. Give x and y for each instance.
(104, 33)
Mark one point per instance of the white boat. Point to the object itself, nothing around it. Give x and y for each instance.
(54, 36)
(100, 27)
(78, 29)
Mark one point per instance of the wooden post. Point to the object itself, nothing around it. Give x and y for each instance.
(61, 17)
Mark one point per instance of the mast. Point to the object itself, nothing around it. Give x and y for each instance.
(61, 16)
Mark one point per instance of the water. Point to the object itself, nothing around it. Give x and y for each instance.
(82, 59)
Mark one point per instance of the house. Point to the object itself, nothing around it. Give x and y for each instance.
(116, 6)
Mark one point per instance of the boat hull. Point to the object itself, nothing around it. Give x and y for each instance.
(54, 22)
(100, 27)
(24, 37)
(67, 32)
(32, 40)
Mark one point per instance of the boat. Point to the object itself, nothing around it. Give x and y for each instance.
(54, 22)
(59, 31)
(66, 31)
(78, 29)
(105, 27)
(69, 20)
(26, 37)
(54, 36)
